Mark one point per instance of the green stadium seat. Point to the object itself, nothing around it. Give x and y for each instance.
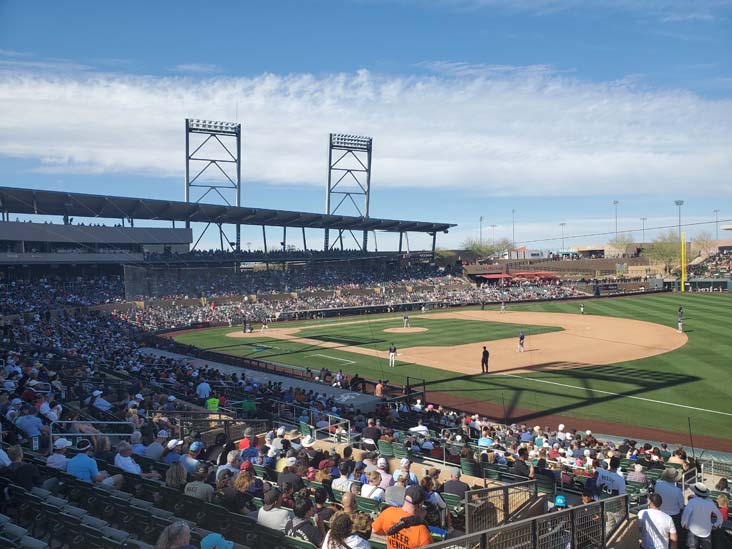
(296, 543)
(400, 451)
(386, 448)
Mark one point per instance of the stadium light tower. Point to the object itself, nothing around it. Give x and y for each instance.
(513, 229)
(679, 203)
(716, 224)
(643, 221)
(218, 165)
(562, 225)
(615, 203)
(494, 234)
(481, 230)
(349, 175)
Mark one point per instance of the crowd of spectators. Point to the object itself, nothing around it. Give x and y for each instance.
(89, 367)
(718, 265)
(36, 295)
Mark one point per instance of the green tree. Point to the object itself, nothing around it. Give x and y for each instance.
(665, 249)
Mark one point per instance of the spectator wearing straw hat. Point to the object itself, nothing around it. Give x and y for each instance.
(700, 517)
(671, 495)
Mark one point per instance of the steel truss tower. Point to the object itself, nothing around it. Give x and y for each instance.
(349, 176)
(215, 152)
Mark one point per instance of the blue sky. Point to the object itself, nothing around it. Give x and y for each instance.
(551, 107)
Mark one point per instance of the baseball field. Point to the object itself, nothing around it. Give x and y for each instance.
(621, 368)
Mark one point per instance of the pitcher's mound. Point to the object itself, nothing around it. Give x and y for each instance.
(405, 330)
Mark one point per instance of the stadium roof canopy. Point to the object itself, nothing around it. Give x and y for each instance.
(38, 202)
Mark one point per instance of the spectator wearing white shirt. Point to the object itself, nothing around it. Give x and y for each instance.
(124, 461)
(203, 391)
(611, 480)
(98, 402)
(58, 459)
(656, 527)
(700, 517)
(419, 428)
(372, 489)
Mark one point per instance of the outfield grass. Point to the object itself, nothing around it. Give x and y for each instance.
(697, 375)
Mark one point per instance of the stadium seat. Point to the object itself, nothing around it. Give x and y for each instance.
(386, 448)
(400, 451)
(297, 543)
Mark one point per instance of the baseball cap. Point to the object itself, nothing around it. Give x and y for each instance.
(172, 443)
(246, 466)
(16, 401)
(216, 541)
(404, 462)
(414, 495)
(97, 393)
(197, 446)
(560, 501)
(281, 432)
(381, 463)
(62, 443)
(171, 398)
(325, 464)
(138, 395)
(162, 433)
(290, 461)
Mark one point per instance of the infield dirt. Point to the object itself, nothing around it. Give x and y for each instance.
(585, 340)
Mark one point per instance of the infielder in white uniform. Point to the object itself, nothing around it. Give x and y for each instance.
(392, 355)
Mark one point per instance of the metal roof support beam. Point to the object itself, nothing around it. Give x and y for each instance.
(220, 158)
(352, 167)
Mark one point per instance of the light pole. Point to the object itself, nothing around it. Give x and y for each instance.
(615, 203)
(716, 224)
(494, 233)
(513, 229)
(481, 230)
(679, 203)
(643, 220)
(562, 226)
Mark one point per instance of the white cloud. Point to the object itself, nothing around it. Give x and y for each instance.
(511, 131)
(196, 68)
(667, 11)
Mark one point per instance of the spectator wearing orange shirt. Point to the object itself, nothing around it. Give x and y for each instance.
(404, 526)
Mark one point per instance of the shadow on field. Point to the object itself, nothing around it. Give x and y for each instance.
(565, 383)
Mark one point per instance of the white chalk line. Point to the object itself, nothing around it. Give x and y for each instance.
(620, 395)
(335, 358)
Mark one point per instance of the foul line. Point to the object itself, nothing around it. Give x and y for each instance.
(335, 358)
(620, 395)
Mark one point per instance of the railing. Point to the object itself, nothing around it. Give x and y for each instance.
(589, 525)
(490, 507)
(341, 427)
(110, 429)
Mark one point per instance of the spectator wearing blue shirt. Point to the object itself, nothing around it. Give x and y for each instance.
(83, 466)
(29, 422)
(190, 460)
(172, 451)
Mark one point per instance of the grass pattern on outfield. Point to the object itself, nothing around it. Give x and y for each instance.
(698, 374)
(441, 332)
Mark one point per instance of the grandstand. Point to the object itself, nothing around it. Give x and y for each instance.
(116, 435)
